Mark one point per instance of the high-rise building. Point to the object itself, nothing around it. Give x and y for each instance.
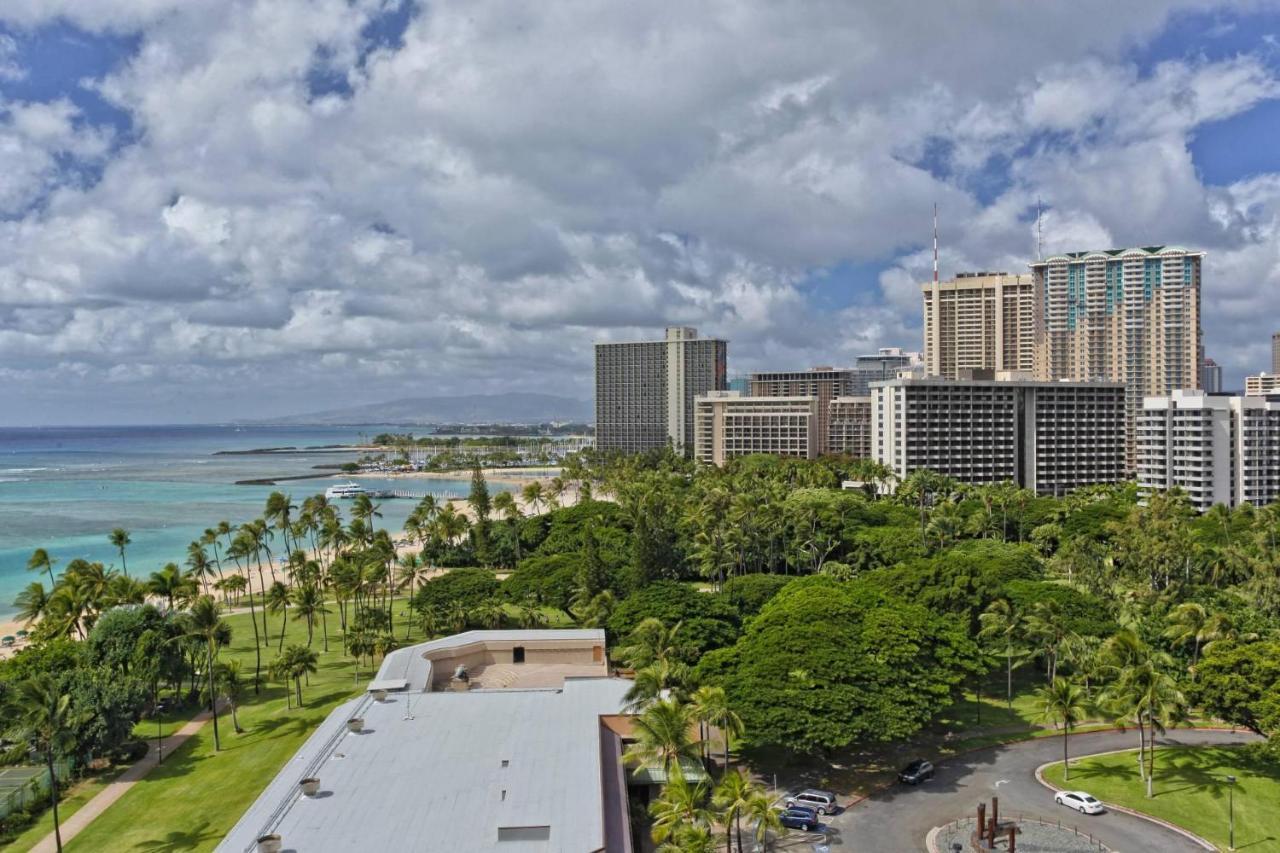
(885, 364)
(1275, 353)
(1122, 315)
(645, 389)
(979, 321)
(1217, 448)
(1211, 376)
(849, 427)
(1262, 384)
(726, 425)
(822, 383)
(1048, 436)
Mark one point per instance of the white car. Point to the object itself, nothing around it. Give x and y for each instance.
(1080, 801)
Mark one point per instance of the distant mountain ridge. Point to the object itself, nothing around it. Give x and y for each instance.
(513, 408)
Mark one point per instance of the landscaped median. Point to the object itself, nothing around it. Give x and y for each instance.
(1191, 792)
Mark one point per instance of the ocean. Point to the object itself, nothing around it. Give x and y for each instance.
(65, 488)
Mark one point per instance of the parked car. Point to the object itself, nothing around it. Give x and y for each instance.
(916, 772)
(799, 817)
(1080, 801)
(822, 802)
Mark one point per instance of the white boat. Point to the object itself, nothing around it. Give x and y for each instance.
(344, 490)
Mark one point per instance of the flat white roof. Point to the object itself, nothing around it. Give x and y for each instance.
(447, 771)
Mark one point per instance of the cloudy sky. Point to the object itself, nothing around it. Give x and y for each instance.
(222, 209)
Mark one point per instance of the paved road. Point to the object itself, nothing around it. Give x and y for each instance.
(897, 820)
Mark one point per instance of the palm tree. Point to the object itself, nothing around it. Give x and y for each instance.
(277, 513)
(296, 662)
(555, 490)
(1003, 623)
(278, 602)
(170, 584)
(205, 624)
(1047, 626)
(650, 642)
(1189, 622)
(32, 602)
(198, 563)
(308, 603)
(40, 561)
(532, 495)
(711, 706)
(231, 684)
(45, 719)
(653, 682)
(761, 812)
(662, 736)
(1063, 704)
(120, 538)
(732, 797)
(681, 806)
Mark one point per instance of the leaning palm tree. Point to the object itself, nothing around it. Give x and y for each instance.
(308, 603)
(45, 720)
(733, 797)
(40, 561)
(1189, 624)
(663, 736)
(278, 602)
(205, 624)
(32, 602)
(120, 538)
(231, 684)
(532, 496)
(1063, 704)
(761, 812)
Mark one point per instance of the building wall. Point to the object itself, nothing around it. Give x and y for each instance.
(1050, 437)
(1275, 353)
(1263, 383)
(1130, 316)
(645, 389)
(490, 652)
(1216, 448)
(727, 425)
(979, 322)
(849, 426)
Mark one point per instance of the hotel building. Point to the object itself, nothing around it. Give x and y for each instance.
(645, 389)
(726, 425)
(849, 426)
(1262, 384)
(1122, 315)
(1048, 436)
(979, 321)
(1218, 448)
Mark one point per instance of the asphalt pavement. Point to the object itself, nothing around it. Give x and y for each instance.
(897, 819)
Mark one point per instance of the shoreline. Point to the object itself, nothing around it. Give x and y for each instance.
(511, 476)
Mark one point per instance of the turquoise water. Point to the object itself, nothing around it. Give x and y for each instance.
(65, 488)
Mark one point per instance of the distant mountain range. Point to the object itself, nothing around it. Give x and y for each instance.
(514, 408)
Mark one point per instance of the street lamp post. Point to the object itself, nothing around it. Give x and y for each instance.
(1231, 813)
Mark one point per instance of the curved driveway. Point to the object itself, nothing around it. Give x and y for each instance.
(897, 819)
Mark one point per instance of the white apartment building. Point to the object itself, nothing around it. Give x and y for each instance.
(979, 321)
(1048, 436)
(1261, 384)
(849, 426)
(727, 424)
(1217, 448)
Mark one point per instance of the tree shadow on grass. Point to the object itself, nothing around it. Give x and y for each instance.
(178, 840)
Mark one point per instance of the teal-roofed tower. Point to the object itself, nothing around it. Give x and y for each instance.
(1124, 315)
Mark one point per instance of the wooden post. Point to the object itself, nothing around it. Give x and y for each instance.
(991, 834)
(995, 810)
(982, 821)
(1013, 835)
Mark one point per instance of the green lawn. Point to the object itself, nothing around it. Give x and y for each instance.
(1190, 791)
(196, 796)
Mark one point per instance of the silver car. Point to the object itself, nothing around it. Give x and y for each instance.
(822, 802)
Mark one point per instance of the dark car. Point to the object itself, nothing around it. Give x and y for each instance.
(799, 817)
(916, 772)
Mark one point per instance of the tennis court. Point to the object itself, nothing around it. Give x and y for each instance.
(15, 787)
(16, 777)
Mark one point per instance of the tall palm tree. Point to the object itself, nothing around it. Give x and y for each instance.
(198, 563)
(1002, 623)
(119, 537)
(277, 601)
(532, 495)
(239, 548)
(40, 561)
(662, 735)
(711, 706)
(650, 642)
(760, 812)
(170, 584)
(655, 681)
(1063, 704)
(297, 662)
(1046, 625)
(231, 684)
(45, 719)
(278, 513)
(205, 624)
(1189, 623)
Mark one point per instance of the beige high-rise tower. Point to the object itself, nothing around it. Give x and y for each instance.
(1123, 315)
(979, 321)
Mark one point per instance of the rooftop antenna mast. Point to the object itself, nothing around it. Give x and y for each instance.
(1039, 232)
(935, 242)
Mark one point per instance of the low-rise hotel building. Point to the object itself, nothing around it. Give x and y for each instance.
(1218, 448)
(727, 424)
(1051, 437)
(849, 426)
(1262, 384)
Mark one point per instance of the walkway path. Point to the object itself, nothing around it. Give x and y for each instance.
(116, 789)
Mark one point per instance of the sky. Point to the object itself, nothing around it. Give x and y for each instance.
(216, 210)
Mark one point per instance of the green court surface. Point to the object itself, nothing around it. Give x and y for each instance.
(16, 777)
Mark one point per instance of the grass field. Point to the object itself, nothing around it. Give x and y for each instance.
(196, 796)
(1190, 791)
(79, 794)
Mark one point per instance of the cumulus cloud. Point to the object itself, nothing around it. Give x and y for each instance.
(304, 207)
